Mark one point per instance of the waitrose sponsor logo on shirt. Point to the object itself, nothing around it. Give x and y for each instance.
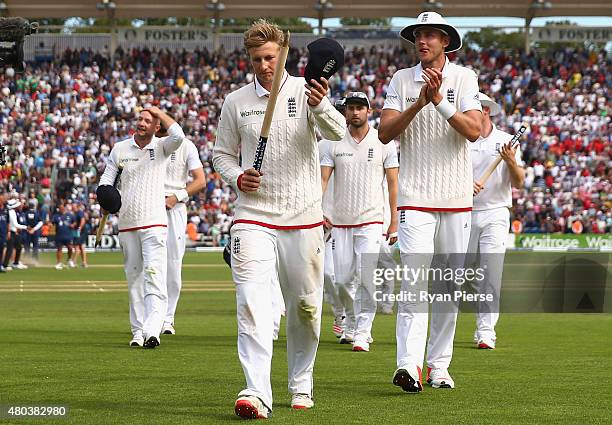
(565, 241)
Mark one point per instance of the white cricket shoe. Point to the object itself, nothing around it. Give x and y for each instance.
(59, 266)
(71, 264)
(20, 266)
(168, 329)
(409, 378)
(348, 337)
(439, 378)
(251, 407)
(137, 341)
(361, 346)
(301, 401)
(338, 326)
(486, 344)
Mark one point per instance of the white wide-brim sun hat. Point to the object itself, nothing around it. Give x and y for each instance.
(13, 203)
(435, 20)
(485, 100)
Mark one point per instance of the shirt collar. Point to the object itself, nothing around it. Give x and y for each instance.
(418, 73)
(261, 91)
(151, 144)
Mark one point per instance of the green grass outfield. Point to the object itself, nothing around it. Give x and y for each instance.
(64, 340)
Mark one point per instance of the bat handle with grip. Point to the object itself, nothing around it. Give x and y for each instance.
(497, 160)
(259, 153)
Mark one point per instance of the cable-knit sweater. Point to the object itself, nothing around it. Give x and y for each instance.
(289, 196)
(142, 179)
(435, 168)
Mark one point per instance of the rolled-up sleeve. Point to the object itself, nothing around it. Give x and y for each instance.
(174, 139)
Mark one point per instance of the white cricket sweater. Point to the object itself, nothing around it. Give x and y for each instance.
(359, 175)
(289, 196)
(185, 159)
(328, 197)
(435, 167)
(142, 180)
(498, 190)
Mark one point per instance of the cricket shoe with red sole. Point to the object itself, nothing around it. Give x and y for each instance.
(486, 344)
(338, 326)
(361, 346)
(409, 379)
(301, 401)
(439, 378)
(251, 407)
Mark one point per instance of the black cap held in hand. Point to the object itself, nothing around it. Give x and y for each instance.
(326, 57)
(109, 198)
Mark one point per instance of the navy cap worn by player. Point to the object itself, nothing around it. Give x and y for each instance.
(325, 58)
(434, 109)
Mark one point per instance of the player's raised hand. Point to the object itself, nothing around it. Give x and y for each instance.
(316, 91)
(433, 78)
(154, 111)
(250, 180)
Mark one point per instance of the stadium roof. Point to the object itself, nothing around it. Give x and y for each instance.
(133, 9)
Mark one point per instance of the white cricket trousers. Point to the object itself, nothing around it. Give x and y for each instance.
(426, 239)
(356, 251)
(177, 226)
(259, 255)
(488, 247)
(144, 253)
(386, 261)
(330, 293)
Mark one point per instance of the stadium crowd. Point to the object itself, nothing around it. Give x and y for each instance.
(60, 119)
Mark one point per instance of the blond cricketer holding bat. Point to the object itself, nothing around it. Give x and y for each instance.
(278, 220)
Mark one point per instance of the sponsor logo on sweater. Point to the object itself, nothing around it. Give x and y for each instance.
(341, 154)
(244, 114)
(152, 154)
(370, 154)
(236, 245)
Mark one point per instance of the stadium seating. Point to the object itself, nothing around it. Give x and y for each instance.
(60, 120)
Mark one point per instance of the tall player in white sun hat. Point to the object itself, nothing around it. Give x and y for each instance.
(183, 162)
(491, 214)
(359, 163)
(434, 108)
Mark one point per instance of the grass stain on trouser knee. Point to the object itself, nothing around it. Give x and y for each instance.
(307, 312)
